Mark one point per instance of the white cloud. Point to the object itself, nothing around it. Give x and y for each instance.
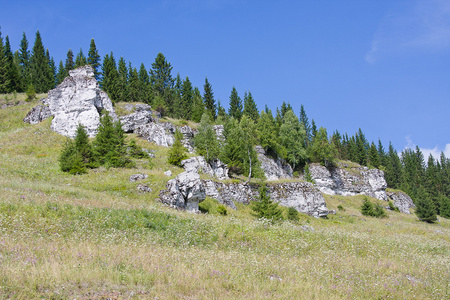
(436, 151)
(425, 24)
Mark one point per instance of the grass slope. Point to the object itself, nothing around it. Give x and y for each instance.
(94, 236)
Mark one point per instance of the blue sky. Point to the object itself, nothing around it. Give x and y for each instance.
(382, 66)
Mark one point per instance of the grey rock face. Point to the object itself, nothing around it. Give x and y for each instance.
(38, 114)
(184, 191)
(302, 196)
(188, 137)
(78, 100)
(155, 132)
(142, 115)
(349, 182)
(273, 169)
(402, 201)
(218, 129)
(198, 164)
(143, 188)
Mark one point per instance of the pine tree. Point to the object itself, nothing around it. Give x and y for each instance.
(265, 207)
(313, 129)
(144, 85)
(373, 158)
(285, 107)
(70, 65)
(24, 62)
(76, 155)
(208, 98)
(177, 152)
(62, 73)
(80, 59)
(186, 99)
(221, 111)
(444, 204)
(235, 109)
(161, 79)
(39, 66)
(307, 174)
(94, 59)
(133, 84)
(367, 208)
(83, 146)
(393, 172)
(425, 209)
(4, 70)
(267, 134)
(321, 150)
(110, 77)
(51, 75)
(122, 81)
(13, 73)
(205, 141)
(305, 122)
(198, 106)
(250, 108)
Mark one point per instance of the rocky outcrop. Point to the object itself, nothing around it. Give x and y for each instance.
(156, 133)
(302, 196)
(401, 200)
(349, 181)
(198, 164)
(142, 115)
(38, 114)
(188, 137)
(273, 169)
(184, 191)
(78, 100)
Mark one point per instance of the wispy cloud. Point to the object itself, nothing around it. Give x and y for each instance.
(436, 151)
(423, 25)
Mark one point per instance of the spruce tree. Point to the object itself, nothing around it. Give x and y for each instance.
(305, 122)
(292, 136)
(221, 111)
(24, 62)
(13, 73)
(70, 64)
(265, 207)
(144, 85)
(51, 72)
(208, 98)
(425, 209)
(250, 108)
(198, 106)
(122, 82)
(444, 206)
(133, 85)
(62, 73)
(177, 152)
(94, 59)
(235, 109)
(39, 66)
(161, 79)
(373, 158)
(186, 99)
(321, 150)
(80, 59)
(110, 77)
(4, 69)
(267, 134)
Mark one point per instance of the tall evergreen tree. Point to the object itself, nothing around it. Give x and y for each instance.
(208, 98)
(267, 134)
(205, 141)
(321, 150)
(373, 158)
(393, 172)
(292, 135)
(110, 77)
(313, 129)
(265, 207)
(70, 64)
(80, 59)
(122, 81)
(177, 152)
(133, 84)
(250, 109)
(285, 107)
(161, 79)
(425, 209)
(13, 72)
(235, 109)
(305, 122)
(24, 62)
(51, 72)
(186, 99)
(94, 59)
(4, 76)
(221, 111)
(144, 85)
(62, 73)
(198, 106)
(39, 66)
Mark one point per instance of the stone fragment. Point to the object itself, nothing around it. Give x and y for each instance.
(137, 177)
(168, 173)
(143, 188)
(198, 164)
(402, 201)
(38, 114)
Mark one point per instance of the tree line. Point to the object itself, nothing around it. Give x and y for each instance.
(282, 134)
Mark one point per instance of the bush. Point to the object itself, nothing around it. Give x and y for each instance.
(265, 207)
(222, 210)
(392, 207)
(31, 93)
(340, 208)
(372, 210)
(292, 214)
(425, 209)
(177, 152)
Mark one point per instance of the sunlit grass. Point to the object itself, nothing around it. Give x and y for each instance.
(95, 236)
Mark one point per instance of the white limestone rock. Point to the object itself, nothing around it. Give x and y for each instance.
(402, 201)
(78, 100)
(184, 191)
(142, 115)
(155, 132)
(198, 164)
(273, 169)
(38, 114)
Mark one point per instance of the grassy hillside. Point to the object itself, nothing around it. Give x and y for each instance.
(95, 236)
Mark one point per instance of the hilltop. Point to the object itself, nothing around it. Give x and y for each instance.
(96, 236)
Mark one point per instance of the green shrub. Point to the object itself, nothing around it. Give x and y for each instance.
(265, 207)
(222, 210)
(392, 207)
(292, 214)
(340, 208)
(177, 152)
(31, 93)
(372, 210)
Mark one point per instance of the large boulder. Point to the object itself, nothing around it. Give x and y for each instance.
(155, 132)
(401, 200)
(184, 191)
(274, 169)
(142, 115)
(199, 164)
(349, 181)
(78, 100)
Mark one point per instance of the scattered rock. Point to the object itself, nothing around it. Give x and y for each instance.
(137, 177)
(168, 173)
(275, 277)
(184, 191)
(144, 188)
(307, 228)
(402, 201)
(38, 114)
(78, 100)
(198, 164)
